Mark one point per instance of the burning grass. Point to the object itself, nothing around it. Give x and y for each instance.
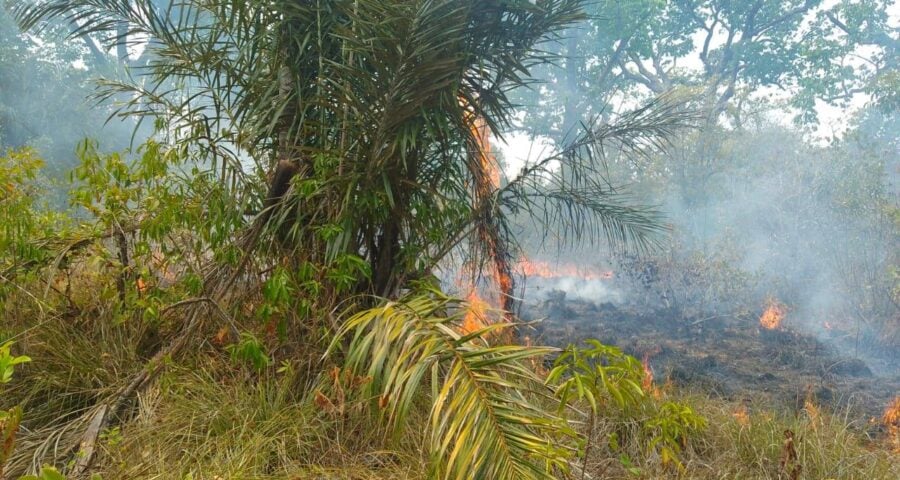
(476, 313)
(542, 269)
(891, 420)
(726, 355)
(773, 316)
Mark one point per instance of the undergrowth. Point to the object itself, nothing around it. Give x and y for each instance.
(264, 383)
(747, 441)
(301, 417)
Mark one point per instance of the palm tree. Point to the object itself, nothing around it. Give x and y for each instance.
(370, 118)
(372, 104)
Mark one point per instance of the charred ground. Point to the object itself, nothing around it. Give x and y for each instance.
(728, 355)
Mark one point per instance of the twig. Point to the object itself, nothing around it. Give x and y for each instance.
(698, 322)
(219, 309)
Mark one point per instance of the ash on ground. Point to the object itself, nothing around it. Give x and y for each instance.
(730, 356)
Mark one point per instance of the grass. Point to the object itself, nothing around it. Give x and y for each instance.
(206, 417)
(207, 422)
(746, 441)
(828, 444)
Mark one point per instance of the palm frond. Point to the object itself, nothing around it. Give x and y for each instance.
(568, 193)
(483, 421)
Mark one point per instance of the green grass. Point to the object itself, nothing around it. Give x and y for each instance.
(208, 422)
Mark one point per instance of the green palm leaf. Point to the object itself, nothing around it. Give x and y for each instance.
(567, 192)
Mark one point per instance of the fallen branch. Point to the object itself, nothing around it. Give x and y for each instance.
(89, 440)
(115, 405)
(702, 320)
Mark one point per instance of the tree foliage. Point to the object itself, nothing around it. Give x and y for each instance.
(375, 103)
(727, 52)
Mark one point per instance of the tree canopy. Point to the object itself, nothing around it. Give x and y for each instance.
(726, 52)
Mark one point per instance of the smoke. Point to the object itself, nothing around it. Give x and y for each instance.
(45, 83)
(762, 213)
(590, 290)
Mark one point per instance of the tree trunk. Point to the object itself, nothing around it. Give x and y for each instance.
(571, 114)
(122, 42)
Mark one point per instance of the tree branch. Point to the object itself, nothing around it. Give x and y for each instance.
(614, 60)
(653, 81)
(98, 54)
(787, 15)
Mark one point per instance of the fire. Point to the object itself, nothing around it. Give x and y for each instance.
(828, 326)
(486, 181)
(486, 156)
(742, 416)
(812, 409)
(647, 382)
(891, 420)
(476, 313)
(545, 270)
(773, 316)
(486, 184)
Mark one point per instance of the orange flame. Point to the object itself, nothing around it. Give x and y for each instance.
(647, 382)
(545, 270)
(486, 182)
(486, 156)
(891, 420)
(476, 313)
(742, 416)
(773, 316)
(485, 188)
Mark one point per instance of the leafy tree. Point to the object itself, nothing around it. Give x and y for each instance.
(850, 26)
(725, 51)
